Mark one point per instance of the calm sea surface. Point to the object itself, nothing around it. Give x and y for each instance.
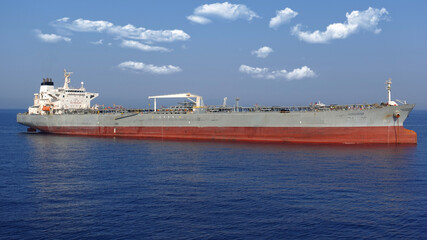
(61, 187)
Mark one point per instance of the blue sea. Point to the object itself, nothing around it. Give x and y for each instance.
(63, 187)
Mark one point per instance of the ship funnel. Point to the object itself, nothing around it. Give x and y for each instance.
(47, 81)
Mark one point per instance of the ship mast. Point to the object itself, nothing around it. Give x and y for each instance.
(67, 76)
(389, 89)
(389, 102)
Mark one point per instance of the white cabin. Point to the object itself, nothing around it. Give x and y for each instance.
(52, 100)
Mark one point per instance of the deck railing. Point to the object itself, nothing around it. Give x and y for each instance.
(222, 109)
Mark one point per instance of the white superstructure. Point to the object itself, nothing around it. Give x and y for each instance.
(52, 100)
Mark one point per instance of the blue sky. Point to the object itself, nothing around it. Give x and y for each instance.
(266, 53)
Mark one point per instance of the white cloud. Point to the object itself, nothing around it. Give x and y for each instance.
(83, 25)
(297, 73)
(221, 10)
(149, 68)
(262, 52)
(356, 20)
(99, 42)
(64, 19)
(143, 47)
(253, 71)
(300, 73)
(282, 16)
(50, 38)
(199, 19)
(163, 35)
(127, 31)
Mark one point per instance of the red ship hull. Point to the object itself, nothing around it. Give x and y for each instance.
(335, 135)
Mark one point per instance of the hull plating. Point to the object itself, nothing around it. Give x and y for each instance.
(379, 125)
(339, 135)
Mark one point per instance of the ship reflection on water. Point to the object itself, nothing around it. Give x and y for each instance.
(69, 147)
(81, 157)
(152, 186)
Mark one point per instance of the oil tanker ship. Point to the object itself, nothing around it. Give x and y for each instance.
(67, 110)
